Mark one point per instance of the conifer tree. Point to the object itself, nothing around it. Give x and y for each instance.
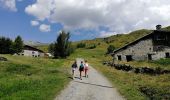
(62, 46)
(18, 45)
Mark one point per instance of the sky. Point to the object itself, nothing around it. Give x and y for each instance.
(43, 20)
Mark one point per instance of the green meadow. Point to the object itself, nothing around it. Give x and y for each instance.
(27, 78)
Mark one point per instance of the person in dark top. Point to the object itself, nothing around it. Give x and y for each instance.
(81, 69)
(74, 66)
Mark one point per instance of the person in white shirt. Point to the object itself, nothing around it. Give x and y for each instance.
(86, 68)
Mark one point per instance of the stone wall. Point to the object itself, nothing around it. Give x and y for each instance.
(32, 53)
(161, 54)
(139, 51)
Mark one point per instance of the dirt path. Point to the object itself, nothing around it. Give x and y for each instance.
(95, 87)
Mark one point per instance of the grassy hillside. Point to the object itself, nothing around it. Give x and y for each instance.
(43, 48)
(117, 41)
(27, 78)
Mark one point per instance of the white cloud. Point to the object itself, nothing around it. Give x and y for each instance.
(118, 15)
(34, 23)
(9, 4)
(45, 28)
(41, 9)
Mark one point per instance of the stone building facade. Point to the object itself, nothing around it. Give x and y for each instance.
(153, 46)
(32, 51)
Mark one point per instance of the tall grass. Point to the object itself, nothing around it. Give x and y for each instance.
(27, 78)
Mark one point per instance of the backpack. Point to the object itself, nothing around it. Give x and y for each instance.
(81, 66)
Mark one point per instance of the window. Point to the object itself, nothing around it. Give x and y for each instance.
(150, 49)
(149, 57)
(167, 55)
(119, 57)
(160, 37)
(129, 58)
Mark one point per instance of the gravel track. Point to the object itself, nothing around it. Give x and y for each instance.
(95, 87)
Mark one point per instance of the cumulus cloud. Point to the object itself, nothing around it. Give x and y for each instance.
(41, 9)
(34, 23)
(45, 28)
(118, 15)
(9, 4)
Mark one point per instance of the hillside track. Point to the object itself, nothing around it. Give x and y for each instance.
(95, 87)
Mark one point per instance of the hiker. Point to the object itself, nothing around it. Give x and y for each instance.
(74, 66)
(81, 69)
(86, 68)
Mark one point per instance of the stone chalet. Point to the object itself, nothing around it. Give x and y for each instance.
(32, 51)
(153, 46)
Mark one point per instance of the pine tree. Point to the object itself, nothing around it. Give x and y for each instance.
(18, 45)
(62, 46)
(5, 45)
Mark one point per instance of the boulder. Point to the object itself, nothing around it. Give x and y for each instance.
(3, 59)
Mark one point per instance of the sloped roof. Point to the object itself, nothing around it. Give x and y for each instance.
(139, 39)
(32, 48)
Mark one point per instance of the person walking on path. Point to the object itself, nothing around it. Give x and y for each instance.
(86, 68)
(81, 69)
(74, 66)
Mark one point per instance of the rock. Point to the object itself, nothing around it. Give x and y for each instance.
(3, 59)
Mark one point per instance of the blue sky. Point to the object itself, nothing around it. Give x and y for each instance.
(42, 20)
(14, 23)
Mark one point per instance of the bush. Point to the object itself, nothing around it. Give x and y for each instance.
(92, 46)
(81, 45)
(110, 49)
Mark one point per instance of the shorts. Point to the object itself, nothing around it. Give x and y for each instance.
(73, 69)
(81, 69)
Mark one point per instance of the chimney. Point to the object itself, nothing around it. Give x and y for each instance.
(158, 27)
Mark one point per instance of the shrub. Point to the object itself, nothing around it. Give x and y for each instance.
(110, 49)
(92, 46)
(81, 45)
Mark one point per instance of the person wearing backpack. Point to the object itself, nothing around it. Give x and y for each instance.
(74, 66)
(81, 69)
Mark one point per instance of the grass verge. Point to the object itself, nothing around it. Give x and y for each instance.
(27, 78)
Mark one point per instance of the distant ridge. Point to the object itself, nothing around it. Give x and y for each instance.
(32, 43)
